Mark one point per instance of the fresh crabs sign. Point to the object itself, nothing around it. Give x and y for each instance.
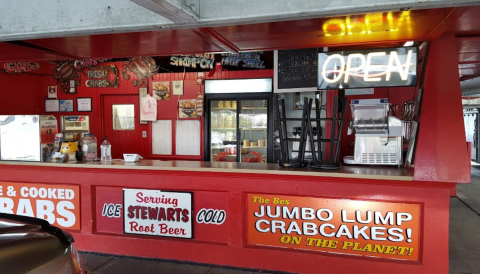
(102, 77)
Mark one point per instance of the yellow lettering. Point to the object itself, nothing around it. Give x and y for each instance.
(367, 248)
(332, 244)
(391, 249)
(378, 248)
(309, 241)
(346, 245)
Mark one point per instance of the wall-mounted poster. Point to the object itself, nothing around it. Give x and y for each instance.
(52, 92)
(187, 108)
(66, 105)
(84, 104)
(177, 87)
(161, 90)
(169, 214)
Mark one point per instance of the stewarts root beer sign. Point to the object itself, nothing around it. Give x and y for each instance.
(58, 204)
(362, 228)
(159, 213)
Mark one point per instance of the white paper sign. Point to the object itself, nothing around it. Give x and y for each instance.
(158, 213)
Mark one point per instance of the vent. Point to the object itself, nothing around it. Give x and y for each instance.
(379, 158)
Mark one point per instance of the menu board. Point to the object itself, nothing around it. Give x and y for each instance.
(296, 70)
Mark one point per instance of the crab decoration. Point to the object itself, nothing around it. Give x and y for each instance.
(221, 157)
(65, 71)
(257, 159)
(142, 67)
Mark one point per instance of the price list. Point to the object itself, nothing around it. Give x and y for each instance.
(297, 68)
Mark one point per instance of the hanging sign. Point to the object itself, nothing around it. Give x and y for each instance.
(18, 67)
(244, 59)
(203, 61)
(367, 68)
(209, 61)
(158, 213)
(102, 77)
(340, 226)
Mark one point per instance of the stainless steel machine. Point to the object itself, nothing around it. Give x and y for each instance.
(378, 137)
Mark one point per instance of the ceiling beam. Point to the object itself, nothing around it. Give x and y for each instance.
(175, 10)
(211, 36)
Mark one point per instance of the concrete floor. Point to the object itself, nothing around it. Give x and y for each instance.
(464, 244)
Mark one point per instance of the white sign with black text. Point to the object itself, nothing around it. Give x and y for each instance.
(158, 213)
(211, 216)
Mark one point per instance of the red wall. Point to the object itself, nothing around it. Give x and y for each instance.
(24, 94)
(20, 93)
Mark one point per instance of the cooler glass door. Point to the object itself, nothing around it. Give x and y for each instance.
(253, 127)
(223, 131)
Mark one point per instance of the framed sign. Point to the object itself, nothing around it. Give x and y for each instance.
(392, 67)
(298, 98)
(52, 105)
(169, 213)
(66, 105)
(84, 104)
(52, 92)
(72, 87)
(177, 87)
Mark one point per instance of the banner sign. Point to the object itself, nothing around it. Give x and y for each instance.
(362, 228)
(368, 68)
(58, 204)
(102, 77)
(158, 213)
(18, 67)
(208, 61)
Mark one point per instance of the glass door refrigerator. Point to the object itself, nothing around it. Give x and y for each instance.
(238, 127)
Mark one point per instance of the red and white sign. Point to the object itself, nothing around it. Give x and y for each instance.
(159, 213)
(58, 204)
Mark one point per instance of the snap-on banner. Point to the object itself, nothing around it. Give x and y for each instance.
(341, 226)
(58, 204)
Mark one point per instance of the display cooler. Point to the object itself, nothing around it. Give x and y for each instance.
(239, 120)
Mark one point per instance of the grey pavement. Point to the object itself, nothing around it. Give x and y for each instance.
(464, 242)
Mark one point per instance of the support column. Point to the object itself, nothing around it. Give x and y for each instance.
(441, 153)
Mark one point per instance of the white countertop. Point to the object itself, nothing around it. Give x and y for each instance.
(366, 172)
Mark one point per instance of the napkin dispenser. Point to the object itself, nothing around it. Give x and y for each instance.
(131, 157)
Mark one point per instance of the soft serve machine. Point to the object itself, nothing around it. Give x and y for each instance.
(378, 136)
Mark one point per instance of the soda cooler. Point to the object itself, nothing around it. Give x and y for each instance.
(238, 120)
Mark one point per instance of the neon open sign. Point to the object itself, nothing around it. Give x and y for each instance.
(368, 68)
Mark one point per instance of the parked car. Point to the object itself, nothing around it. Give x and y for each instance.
(33, 246)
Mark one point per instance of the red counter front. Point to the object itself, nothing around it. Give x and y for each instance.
(251, 216)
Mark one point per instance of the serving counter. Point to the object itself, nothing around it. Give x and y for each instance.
(256, 216)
